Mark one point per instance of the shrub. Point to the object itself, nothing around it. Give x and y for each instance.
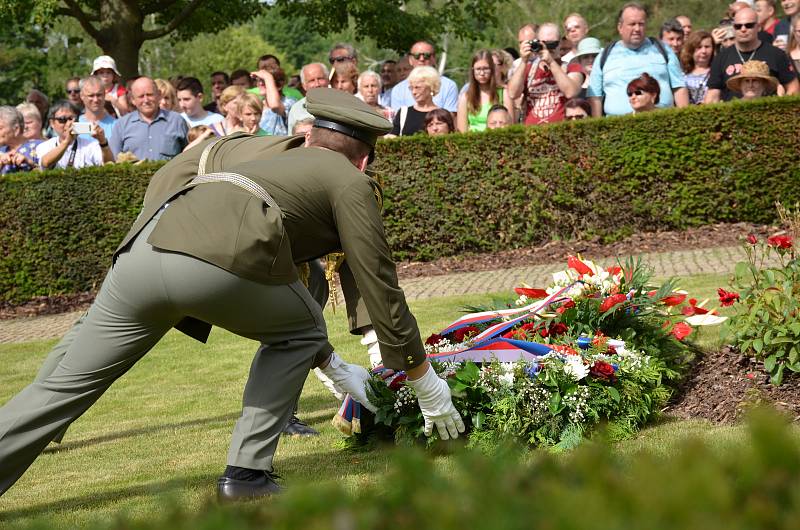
(750, 485)
(767, 320)
(461, 193)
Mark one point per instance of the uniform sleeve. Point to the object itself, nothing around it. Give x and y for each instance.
(360, 227)
(595, 89)
(677, 79)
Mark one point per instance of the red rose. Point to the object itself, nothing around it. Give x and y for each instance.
(397, 381)
(510, 334)
(602, 370)
(578, 266)
(434, 339)
(558, 328)
(681, 330)
(751, 238)
(727, 298)
(569, 304)
(780, 241)
(673, 299)
(463, 333)
(543, 332)
(528, 326)
(533, 294)
(612, 301)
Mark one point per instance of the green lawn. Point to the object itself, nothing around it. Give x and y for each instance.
(160, 435)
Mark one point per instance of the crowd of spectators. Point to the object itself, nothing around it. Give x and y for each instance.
(556, 72)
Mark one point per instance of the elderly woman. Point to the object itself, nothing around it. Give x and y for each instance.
(33, 121)
(424, 83)
(754, 81)
(228, 105)
(17, 153)
(369, 89)
(643, 93)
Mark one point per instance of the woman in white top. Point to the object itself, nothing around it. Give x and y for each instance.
(67, 149)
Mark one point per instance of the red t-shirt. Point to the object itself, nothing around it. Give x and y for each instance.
(544, 101)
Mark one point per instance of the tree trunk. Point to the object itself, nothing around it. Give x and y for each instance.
(121, 34)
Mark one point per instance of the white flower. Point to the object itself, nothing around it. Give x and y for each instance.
(574, 367)
(619, 346)
(507, 377)
(522, 300)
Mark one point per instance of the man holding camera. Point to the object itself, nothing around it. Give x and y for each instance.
(540, 79)
(67, 149)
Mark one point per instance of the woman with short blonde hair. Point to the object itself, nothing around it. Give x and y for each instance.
(424, 82)
(33, 121)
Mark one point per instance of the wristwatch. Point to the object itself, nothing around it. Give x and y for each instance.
(104, 145)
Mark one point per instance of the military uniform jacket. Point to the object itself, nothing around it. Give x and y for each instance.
(326, 205)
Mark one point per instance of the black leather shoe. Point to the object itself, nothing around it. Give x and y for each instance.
(232, 490)
(296, 427)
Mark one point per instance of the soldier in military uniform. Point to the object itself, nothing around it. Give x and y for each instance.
(222, 251)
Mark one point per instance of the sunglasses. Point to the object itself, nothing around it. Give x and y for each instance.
(340, 59)
(63, 119)
(637, 92)
(538, 46)
(577, 117)
(748, 25)
(73, 91)
(423, 55)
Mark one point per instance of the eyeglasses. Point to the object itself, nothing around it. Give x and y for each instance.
(422, 55)
(748, 25)
(63, 119)
(577, 117)
(341, 59)
(482, 70)
(73, 91)
(637, 92)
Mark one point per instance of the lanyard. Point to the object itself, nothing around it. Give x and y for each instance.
(72, 153)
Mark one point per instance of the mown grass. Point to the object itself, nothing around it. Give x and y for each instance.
(159, 436)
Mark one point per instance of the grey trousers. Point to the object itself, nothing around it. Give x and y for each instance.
(142, 297)
(317, 287)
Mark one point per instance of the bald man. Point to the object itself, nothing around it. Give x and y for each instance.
(150, 133)
(748, 47)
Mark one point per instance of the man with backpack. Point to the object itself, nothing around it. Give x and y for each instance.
(626, 59)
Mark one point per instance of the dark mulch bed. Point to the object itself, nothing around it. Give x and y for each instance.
(722, 385)
(710, 236)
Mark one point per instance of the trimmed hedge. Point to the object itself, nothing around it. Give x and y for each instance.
(462, 193)
(610, 178)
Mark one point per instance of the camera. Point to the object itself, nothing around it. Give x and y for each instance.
(537, 45)
(82, 127)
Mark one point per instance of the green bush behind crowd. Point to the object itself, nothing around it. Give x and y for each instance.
(462, 193)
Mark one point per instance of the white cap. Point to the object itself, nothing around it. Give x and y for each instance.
(104, 61)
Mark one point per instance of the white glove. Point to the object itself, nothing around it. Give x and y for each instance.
(350, 378)
(328, 383)
(370, 340)
(436, 405)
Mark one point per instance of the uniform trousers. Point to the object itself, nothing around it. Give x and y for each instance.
(144, 295)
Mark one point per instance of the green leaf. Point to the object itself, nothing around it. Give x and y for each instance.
(769, 363)
(777, 377)
(794, 327)
(478, 420)
(614, 393)
(555, 403)
(758, 345)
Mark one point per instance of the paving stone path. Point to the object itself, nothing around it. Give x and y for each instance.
(665, 264)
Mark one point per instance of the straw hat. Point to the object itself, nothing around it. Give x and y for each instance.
(750, 70)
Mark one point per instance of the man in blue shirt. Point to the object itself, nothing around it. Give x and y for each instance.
(150, 133)
(93, 96)
(423, 54)
(633, 55)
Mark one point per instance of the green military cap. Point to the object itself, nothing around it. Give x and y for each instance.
(342, 112)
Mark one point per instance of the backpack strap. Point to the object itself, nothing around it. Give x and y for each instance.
(657, 43)
(605, 54)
